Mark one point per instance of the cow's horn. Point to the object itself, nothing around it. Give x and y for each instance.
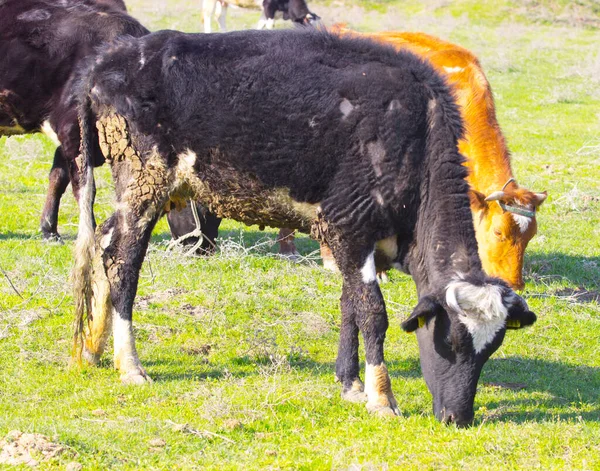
(495, 196)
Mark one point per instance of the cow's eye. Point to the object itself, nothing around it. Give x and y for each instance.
(498, 233)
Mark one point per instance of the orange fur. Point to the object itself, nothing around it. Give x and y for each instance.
(501, 242)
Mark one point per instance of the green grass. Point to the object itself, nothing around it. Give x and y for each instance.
(241, 346)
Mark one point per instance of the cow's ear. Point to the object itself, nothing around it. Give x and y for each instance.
(539, 198)
(427, 308)
(477, 200)
(519, 315)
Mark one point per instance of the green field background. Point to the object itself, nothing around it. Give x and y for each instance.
(241, 346)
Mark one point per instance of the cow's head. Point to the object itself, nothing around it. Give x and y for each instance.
(504, 224)
(310, 19)
(457, 332)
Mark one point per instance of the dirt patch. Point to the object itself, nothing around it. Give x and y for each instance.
(28, 448)
(579, 295)
(197, 350)
(313, 325)
(583, 13)
(143, 302)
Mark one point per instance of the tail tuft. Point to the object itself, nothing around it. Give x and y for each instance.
(85, 244)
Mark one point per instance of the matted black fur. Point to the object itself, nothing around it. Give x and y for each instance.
(41, 44)
(342, 137)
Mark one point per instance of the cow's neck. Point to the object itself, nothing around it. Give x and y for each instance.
(444, 244)
(484, 147)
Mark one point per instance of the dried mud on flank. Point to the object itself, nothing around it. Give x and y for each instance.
(19, 448)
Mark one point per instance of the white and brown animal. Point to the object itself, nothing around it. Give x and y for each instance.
(341, 138)
(294, 10)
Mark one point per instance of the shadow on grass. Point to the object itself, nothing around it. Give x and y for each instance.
(564, 386)
(20, 236)
(584, 272)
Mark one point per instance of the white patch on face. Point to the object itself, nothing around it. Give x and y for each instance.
(48, 131)
(142, 59)
(369, 274)
(453, 70)
(479, 308)
(346, 107)
(388, 247)
(522, 221)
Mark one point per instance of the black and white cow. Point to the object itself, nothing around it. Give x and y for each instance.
(342, 138)
(41, 43)
(294, 10)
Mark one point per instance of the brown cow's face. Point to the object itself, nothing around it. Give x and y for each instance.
(502, 235)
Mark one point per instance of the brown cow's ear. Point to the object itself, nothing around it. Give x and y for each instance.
(427, 308)
(477, 200)
(539, 198)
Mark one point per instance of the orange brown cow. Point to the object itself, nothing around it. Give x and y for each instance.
(503, 211)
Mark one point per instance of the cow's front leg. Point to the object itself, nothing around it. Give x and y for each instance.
(362, 297)
(59, 180)
(347, 366)
(123, 260)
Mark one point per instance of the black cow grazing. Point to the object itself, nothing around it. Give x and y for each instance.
(41, 44)
(185, 223)
(342, 138)
(293, 10)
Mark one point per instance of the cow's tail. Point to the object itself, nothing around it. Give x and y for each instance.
(84, 247)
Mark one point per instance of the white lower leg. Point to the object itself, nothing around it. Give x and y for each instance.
(126, 358)
(378, 388)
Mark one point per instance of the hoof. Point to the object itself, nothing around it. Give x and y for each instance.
(291, 256)
(52, 238)
(383, 411)
(354, 396)
(382, 278)
(329, 264)
(91, 358)
(136, 377)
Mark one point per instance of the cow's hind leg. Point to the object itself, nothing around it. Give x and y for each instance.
(363, 309)
(123, 256)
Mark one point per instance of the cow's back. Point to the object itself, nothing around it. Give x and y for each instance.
(41, 42)
(235, 104)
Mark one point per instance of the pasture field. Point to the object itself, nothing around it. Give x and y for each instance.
(241, 346)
